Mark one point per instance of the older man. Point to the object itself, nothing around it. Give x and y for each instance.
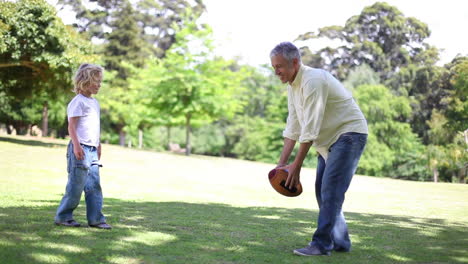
(324, 114)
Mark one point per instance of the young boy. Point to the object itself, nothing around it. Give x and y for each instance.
(84, 151)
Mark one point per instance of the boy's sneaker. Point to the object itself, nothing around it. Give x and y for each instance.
(310, 250)
(70, 223)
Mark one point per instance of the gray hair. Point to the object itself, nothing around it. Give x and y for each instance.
(287, 50)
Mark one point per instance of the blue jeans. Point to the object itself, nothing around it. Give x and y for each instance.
(332, 182)
(82, 175)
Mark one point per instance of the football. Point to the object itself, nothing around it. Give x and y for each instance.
(278, 179)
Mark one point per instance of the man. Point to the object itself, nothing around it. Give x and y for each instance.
(322, 113)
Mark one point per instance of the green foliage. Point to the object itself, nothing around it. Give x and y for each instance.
(131, 31)
(117, 102)
(263, 96)
(438, 134)
(188, 84)
(157, 21)
(457, 110)
(124, 48)
(450, 160)
(124, 42)
(379, 105)
(255, 133)
(362, 74)
(439, 90)
(234, 110)
(40, 52)
(430, 89)
(209, 140)
(252, 143)
(381, 36)
(386, 154)
(376, 157)
(38, 55)
(393, 46)
(20, 114)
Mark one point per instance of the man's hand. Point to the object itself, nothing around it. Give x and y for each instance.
(293, 175)
(78, 151)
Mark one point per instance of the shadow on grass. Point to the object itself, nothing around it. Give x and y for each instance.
(178, 232)
(33, 142)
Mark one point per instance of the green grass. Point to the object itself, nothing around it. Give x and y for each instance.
(169, 208)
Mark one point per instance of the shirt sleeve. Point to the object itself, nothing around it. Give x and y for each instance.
(293, 129)
(75, 108)
(315, 95)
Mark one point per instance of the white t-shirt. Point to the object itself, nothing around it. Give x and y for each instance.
(88, 126)
(320, 110)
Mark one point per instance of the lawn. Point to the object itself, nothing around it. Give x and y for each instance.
(168, 208)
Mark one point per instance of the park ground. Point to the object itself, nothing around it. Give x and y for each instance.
(169, 208)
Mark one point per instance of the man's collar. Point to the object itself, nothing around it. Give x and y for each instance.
(298, 78)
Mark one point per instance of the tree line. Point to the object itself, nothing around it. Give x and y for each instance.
(164, 85)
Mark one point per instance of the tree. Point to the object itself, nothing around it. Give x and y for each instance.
(441, 90)
(192, 84)
(124, 42)
(124, 45)
(429, 89)
(255, 133)
(399, 156)
(447, 127)
(131, 31)
(457, 109)
(37, 53)
(381, 36)
(361, 75)
(156, 19)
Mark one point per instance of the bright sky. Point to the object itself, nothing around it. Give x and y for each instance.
(251, 28)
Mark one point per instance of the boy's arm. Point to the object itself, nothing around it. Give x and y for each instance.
(99, 149)
(77, 149)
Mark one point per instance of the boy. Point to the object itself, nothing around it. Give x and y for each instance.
(84, 151)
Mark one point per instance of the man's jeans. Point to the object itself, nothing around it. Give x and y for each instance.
(82, 175)
(332, 182)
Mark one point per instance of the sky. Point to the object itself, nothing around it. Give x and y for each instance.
(249, 29)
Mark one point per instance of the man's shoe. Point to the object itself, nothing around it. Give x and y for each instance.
(341, 249)
(102, 226)
(310, 250)
(70, 223)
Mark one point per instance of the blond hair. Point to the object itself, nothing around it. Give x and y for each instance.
(85, 76)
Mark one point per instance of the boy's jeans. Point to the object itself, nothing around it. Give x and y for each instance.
(332, 181)
(82, 175)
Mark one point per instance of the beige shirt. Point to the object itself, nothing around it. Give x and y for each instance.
(320, 110)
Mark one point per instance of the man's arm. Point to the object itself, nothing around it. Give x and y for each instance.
(288, 147)
(77, 149)
(294, 169)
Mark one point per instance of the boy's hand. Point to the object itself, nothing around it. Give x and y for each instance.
(99, 149)
(78, 151)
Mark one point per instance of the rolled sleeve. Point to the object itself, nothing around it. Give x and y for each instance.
(293, 129)
(315, 97)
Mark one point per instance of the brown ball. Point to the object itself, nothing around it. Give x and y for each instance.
(278, 179)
